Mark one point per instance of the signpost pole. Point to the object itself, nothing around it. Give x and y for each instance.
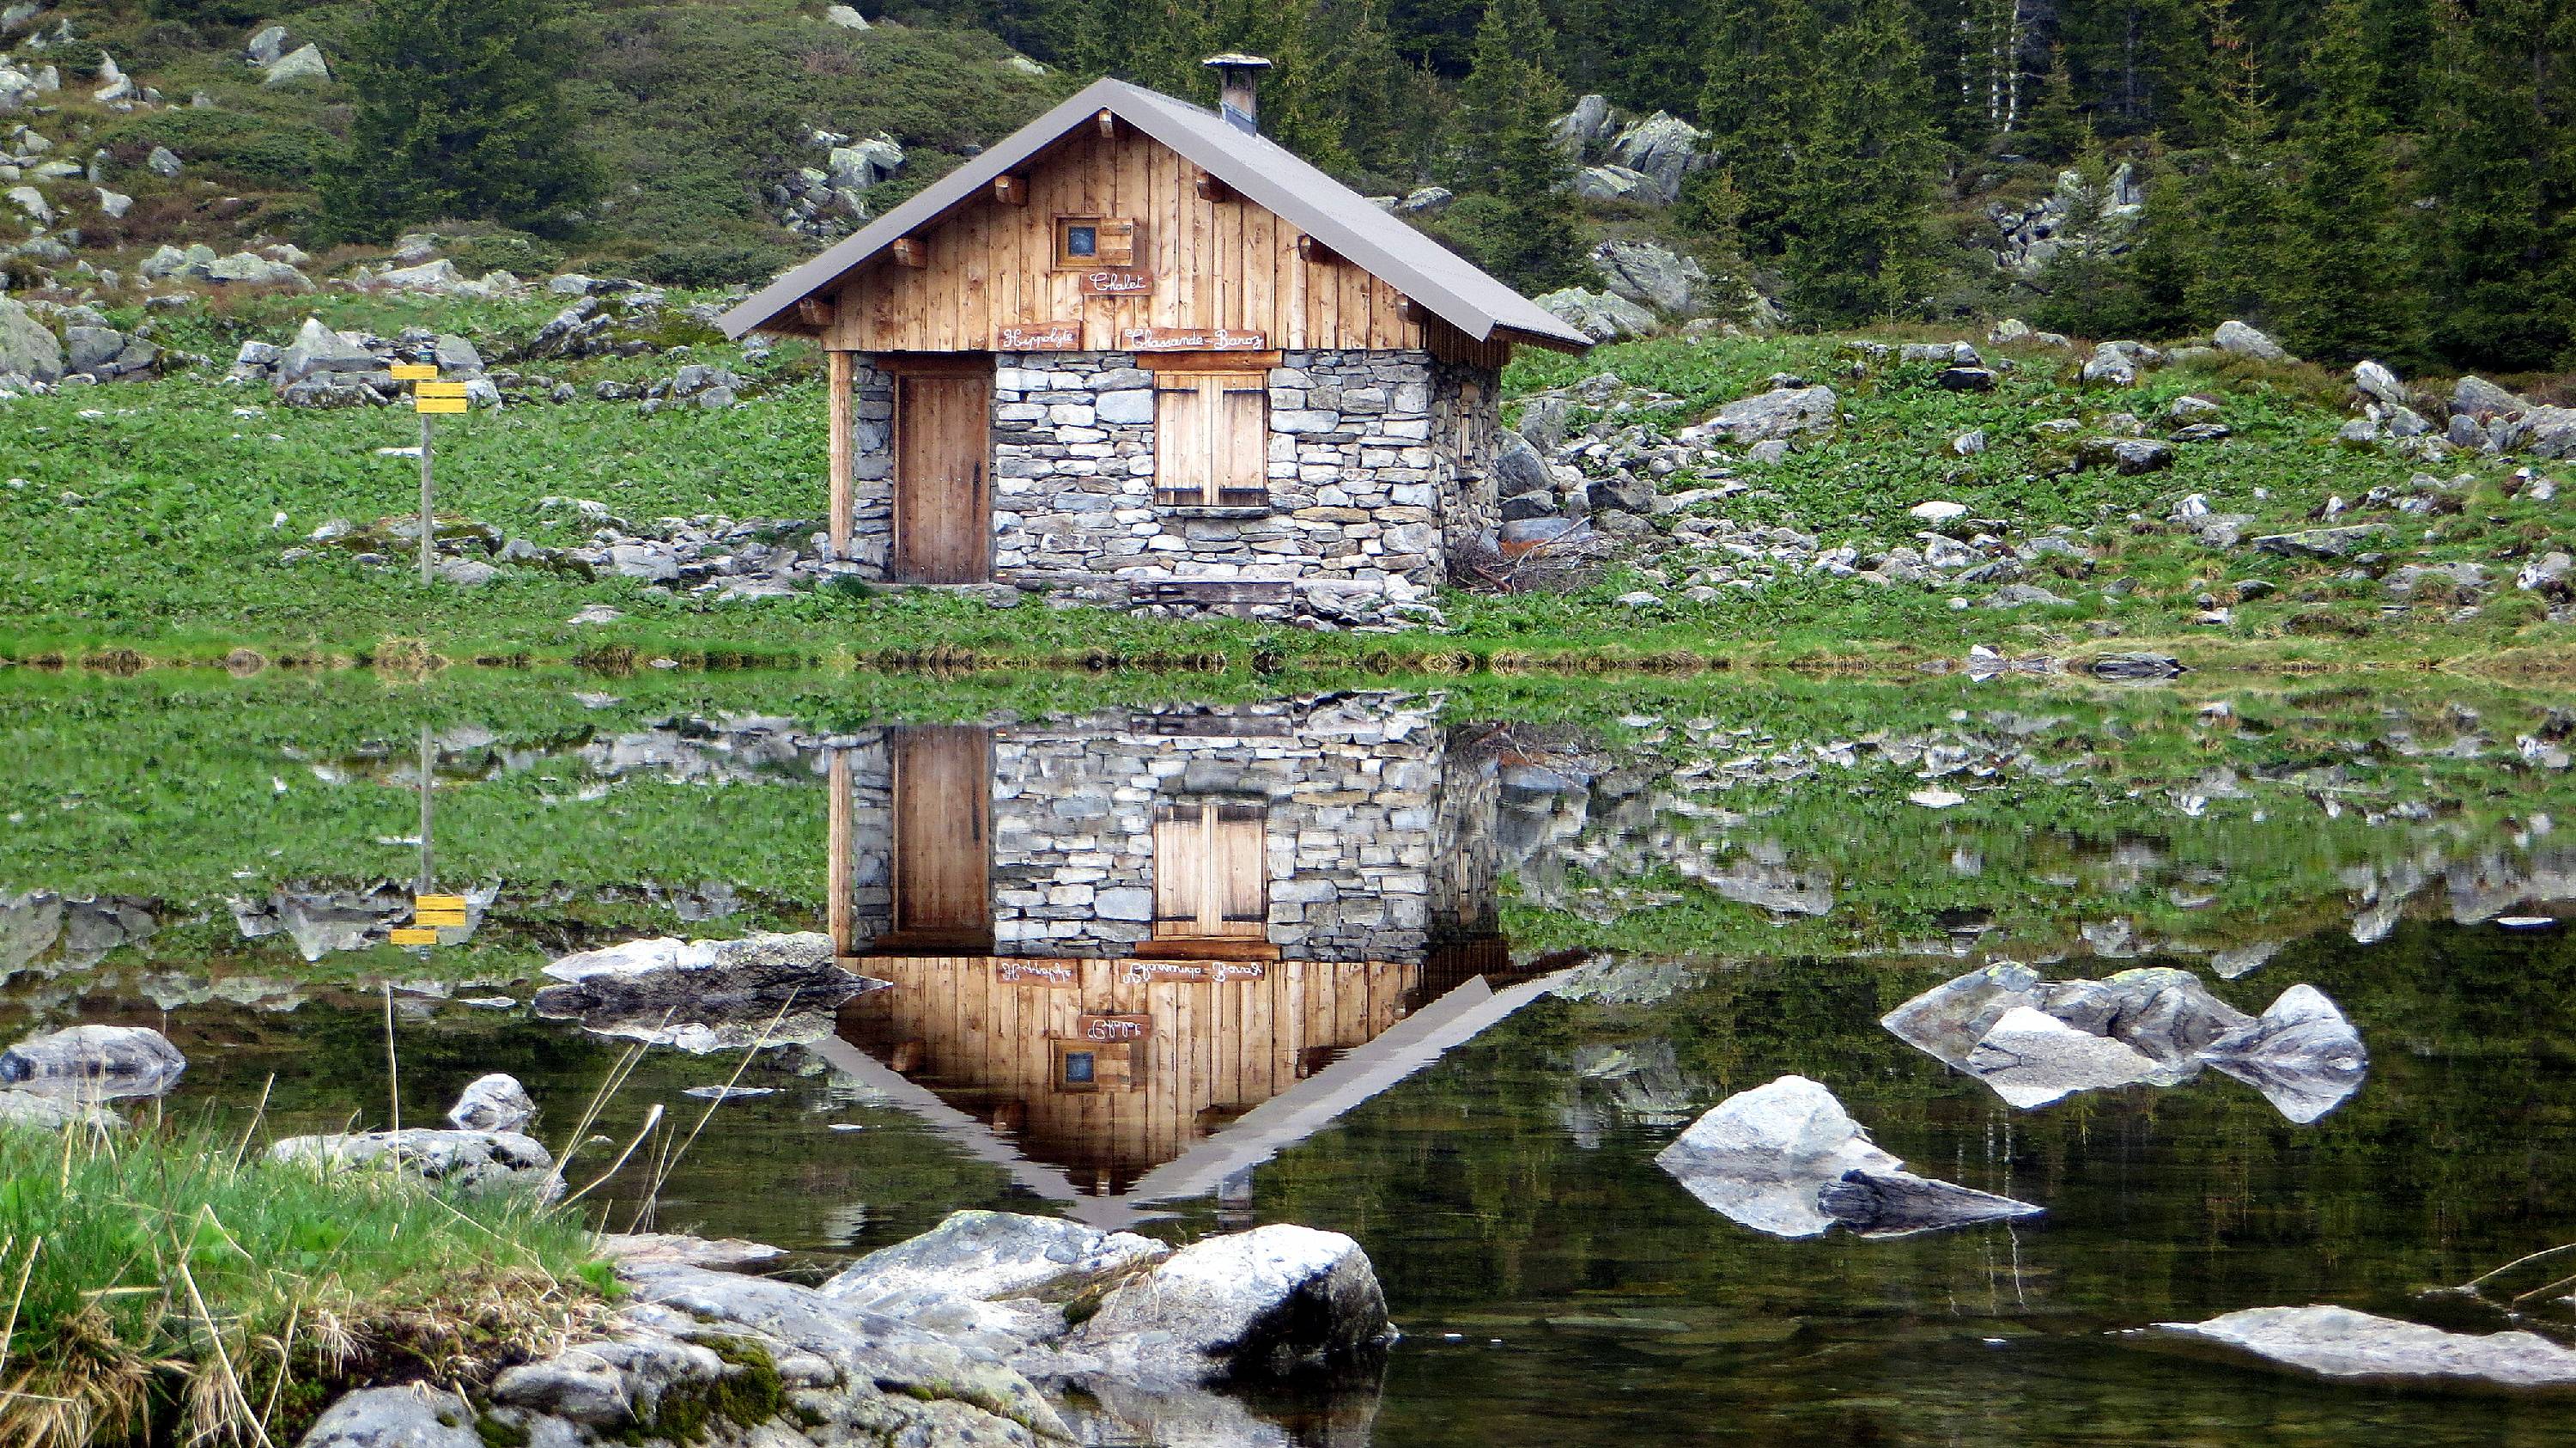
(427, 544)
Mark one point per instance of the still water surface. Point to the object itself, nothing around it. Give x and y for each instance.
(1482, 969)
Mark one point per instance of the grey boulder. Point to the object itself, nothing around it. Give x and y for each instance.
(1650, 275)
(991, 1255)
(2030, 1058)
(465, 1160)
(413, 1416)
(1247, 1304)
(2322, 542)
(2240, 340)
(1779, 414)
(318, 349)
(1602, 316)
(2337, 1342)
(95, 1061)
(26, 348)
(494, 1102)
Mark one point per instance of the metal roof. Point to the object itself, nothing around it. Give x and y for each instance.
(1252, 165)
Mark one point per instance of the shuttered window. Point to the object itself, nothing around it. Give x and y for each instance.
(1211, 439)
(1211, 871)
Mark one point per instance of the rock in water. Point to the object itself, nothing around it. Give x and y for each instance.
(470, 1160)
(496, 1102)
(1786, 1159)
(2341, 1343)
(2031, 1058)
(990, 1255)
(1249, 1304)
(1947, 1021)
(100, 1062)
(2301, 1054)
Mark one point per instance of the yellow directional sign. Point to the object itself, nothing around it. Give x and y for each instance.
(453, 919)
(438, 404)
(415, 372)
(415, 937)
(439, 389)
(438, 902)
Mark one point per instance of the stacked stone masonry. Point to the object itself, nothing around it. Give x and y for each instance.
(1371, 828)
(1378, 471)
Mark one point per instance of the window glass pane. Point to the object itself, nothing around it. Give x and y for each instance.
(1077, 1067)
(1082, 241)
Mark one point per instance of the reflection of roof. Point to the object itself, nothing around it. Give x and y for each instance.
(1250, 1139)
(1253, 165)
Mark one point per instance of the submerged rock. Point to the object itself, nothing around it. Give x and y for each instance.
(2341, 1343)
(1786, 1159)
(98, 1062)
(2301, 1054)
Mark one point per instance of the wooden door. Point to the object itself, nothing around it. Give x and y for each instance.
(943, 805)
(943, 506)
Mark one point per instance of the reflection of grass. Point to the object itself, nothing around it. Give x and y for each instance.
(166, 1289)
(167, 786)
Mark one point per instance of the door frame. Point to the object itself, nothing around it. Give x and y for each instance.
(904, 367)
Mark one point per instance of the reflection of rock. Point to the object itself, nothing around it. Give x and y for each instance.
(45, 1113)
(469, 1160)
(2243, 960)
(2341, 1343)
(324, 920)
(41, 926)
(704, 995)
(1786, 1159)
(1638, 1084)
(2036, 1041)
(96, 1062)
(2031, 1058)
(2302, 1055)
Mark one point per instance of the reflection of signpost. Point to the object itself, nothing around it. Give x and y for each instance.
(428, 395)
(429, 913)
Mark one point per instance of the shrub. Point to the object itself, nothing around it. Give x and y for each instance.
(511, 251)
(714, 264)
(269, 149)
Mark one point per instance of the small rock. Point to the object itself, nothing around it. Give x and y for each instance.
(494, 1102)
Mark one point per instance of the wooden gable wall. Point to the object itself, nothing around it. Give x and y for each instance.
(1217, 1048)
(1226, 263)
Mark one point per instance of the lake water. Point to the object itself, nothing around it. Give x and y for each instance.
(1443, 967)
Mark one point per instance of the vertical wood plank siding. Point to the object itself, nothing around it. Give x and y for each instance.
(1215, 264)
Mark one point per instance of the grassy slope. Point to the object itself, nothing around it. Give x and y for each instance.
(173, 549)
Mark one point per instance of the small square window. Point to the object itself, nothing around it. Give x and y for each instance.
(1082, 242)
(1080, 1068)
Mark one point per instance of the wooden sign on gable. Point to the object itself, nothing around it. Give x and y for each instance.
(1113, 1028)
(1117, 281)
(1051, 974)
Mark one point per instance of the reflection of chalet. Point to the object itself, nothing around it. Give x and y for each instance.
(1132, 957)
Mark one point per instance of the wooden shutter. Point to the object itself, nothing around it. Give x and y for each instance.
(1212, 439)
(1211, 872)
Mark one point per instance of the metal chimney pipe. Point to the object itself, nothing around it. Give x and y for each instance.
(1239, 87)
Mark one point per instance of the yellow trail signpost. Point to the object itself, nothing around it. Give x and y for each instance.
(428, 396)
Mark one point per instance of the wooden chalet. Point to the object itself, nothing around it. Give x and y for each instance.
(1138, 350)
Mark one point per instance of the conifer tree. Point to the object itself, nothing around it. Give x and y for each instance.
(2346, 291)
(1503, 149)
(1855, 239)
(2056, 130)
(2236, 207)
(1752, 103)
(2496, 168)
(458, 115)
